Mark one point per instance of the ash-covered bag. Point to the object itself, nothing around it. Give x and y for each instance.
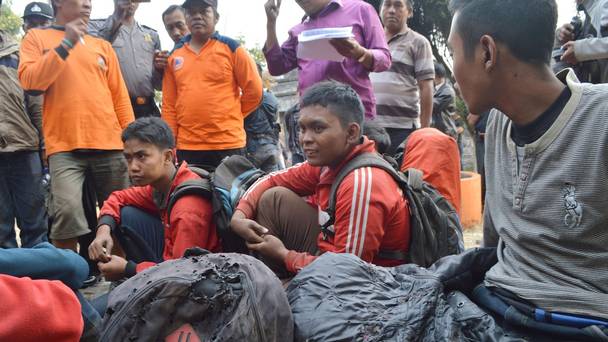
(200, 297)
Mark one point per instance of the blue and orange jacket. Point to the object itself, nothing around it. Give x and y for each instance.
(207, 95)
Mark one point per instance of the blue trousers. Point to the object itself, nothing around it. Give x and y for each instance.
(142, 238)
(22, 198)
(141, 235)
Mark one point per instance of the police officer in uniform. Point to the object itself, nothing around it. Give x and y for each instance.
(37, 14)
(138, 49)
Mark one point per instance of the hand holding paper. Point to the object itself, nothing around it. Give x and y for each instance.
(317, 44)
(348, 47)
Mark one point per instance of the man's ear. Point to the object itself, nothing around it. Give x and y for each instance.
(489, 52)
(353, 133)
(169, 156)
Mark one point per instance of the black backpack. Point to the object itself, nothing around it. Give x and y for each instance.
(200, 297)
(224, 187)
(435, 227)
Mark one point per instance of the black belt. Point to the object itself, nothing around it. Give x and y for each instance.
(142, 100)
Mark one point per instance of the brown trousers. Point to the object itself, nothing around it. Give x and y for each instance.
(288, 217)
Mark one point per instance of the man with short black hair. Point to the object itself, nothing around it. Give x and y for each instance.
(371, 213)
(141, 210)
(37, 14)
(546, 161)
(209, 128)
(404, 93)
(174, 19)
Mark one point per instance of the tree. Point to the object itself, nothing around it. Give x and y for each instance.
(9, 21)
(432, 19)
(255, 52)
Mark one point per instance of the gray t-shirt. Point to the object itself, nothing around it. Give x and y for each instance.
(552, 215)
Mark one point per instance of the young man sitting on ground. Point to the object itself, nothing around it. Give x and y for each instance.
(546, 156)
(137, 217)
(371, 215)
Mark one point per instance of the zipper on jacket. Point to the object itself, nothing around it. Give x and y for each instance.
(254, 307)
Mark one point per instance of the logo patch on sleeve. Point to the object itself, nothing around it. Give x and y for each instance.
(178, 63)
(102, 63)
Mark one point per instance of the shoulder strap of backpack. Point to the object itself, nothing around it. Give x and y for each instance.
(410, 181)
(200, 187)
(360, 161)
(414, 178)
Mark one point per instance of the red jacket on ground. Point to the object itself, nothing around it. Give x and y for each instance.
(38, 310)
(437, 156)
(191, 218)
(371, 212)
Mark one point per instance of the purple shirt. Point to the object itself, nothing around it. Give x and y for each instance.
(368, 32)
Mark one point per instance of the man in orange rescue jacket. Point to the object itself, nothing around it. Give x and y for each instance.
(86, 104)
(210, 85)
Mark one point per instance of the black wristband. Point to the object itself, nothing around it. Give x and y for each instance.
(62, 52)
(130, 269)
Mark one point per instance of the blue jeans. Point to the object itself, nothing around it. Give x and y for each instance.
(141, 236)
(44, 261)
(22, 198)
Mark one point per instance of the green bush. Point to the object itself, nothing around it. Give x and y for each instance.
(9, 21)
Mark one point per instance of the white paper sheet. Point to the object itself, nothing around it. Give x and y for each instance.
(314, 44)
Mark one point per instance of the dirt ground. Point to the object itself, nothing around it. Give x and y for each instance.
(473, 236)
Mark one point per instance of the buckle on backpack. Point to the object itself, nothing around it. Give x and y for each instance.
(328, 230)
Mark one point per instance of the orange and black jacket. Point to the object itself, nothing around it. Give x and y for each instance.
(86, 103)
(191, 222)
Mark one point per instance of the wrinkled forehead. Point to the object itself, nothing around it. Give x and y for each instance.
(174, 17)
